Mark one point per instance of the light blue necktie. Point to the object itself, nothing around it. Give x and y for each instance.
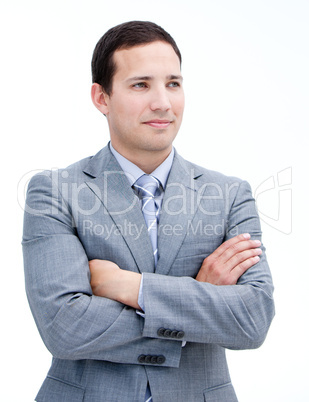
(147, 188)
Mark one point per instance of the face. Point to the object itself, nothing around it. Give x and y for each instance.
(145, 108)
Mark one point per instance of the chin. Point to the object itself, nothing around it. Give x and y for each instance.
(159, 146)
(161, 141)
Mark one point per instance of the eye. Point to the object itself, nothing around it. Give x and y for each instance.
(139, 85)
(173, 84)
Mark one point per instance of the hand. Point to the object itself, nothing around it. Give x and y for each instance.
(103, 276)
(229, 261)
(108, 280)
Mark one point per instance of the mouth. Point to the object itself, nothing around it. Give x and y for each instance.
(157, 123)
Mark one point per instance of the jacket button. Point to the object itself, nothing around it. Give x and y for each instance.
(154, 360)
(161, 331)
(180, 334)
(174, 334)
(160, 359)
(141, 358)
(167, 333)
(148, 359)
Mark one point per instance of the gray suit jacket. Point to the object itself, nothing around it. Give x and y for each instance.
(103, 350)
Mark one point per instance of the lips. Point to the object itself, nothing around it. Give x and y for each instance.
(157, 123)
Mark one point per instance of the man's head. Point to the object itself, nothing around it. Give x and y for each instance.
(124, 36)
(139, 90)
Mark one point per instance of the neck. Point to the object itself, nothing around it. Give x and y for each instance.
(147, 161)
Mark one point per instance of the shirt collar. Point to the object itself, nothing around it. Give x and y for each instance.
(133, 172)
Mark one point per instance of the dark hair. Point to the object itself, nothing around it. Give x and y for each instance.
(124, 36)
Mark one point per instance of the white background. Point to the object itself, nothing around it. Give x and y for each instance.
(246, 70)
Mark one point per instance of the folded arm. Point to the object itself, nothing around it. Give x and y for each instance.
(235, 316)
(223, 267)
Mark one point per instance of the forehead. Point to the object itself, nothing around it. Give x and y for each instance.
(147, 59)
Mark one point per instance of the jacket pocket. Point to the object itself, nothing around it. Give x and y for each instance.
(54, 389)
(221, 393)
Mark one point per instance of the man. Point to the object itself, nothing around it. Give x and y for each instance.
(140, 267)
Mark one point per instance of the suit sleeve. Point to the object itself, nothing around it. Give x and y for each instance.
(235, 317)
(73, 323)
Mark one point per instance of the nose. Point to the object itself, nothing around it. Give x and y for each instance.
(160, 99)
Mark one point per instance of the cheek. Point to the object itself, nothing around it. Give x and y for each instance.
(131, 109)
(136, 106)
(178, 105)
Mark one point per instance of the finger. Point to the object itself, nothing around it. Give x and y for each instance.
(243, 256)
(230, 243)
(240, 263)
(237, 249)
(234, 246)
(240, 269)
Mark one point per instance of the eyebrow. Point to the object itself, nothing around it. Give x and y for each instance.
(149, 78)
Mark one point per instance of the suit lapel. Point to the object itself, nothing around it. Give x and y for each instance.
(178, 209)
(112, 187)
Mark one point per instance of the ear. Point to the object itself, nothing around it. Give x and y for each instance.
(99, 98)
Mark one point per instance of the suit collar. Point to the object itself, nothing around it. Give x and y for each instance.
(98, 163)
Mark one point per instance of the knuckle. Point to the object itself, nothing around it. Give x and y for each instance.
(235, 248)
(216, 271)
(209, 261)
(231, 243)
(244, 265)
(237, 258)
(226, 281)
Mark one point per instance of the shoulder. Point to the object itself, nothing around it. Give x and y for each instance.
(77, 172)
(206, 175)
(215, 184)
